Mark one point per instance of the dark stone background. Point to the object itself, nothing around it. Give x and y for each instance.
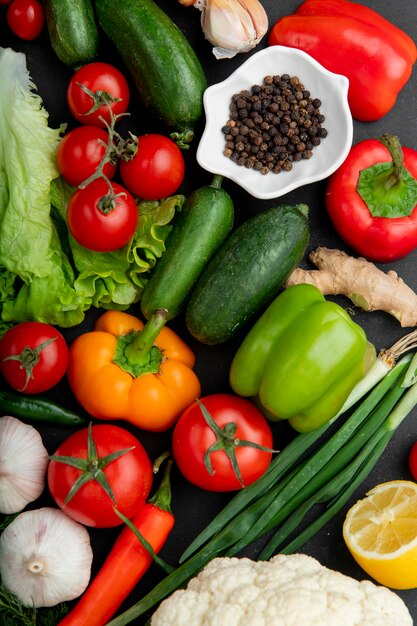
(193, 508)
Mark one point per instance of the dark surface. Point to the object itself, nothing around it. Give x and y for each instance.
(192, 507)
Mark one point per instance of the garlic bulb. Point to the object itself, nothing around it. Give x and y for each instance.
(232, 26)
(23, 462)
(45, 557)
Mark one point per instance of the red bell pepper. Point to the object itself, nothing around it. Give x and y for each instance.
(350, 39)
(372, 199)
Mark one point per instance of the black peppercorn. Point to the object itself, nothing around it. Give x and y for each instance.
(273, 125)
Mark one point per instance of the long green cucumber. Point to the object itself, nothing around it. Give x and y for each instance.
(162, 63)
(247, 273)
(72, 30)
(202, 227)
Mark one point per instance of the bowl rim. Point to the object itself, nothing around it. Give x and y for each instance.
(228, 170)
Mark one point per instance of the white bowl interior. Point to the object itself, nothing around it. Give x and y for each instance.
(330, 88)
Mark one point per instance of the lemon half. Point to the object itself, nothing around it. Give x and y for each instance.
(380, 531)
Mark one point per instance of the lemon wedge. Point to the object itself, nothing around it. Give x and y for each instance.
(380, 531)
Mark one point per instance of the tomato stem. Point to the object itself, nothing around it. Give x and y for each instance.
(29, 358)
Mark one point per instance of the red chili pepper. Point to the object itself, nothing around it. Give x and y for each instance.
(372, 199)
(350, 39)
(126, 563)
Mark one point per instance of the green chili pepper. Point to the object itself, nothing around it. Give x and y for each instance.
(301, 359)
(38, 409)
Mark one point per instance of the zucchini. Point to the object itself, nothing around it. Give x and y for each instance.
(247, 272)
(72, 30)
(203, 225)
(160, 60)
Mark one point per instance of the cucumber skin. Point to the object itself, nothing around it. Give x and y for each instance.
(202, 227)
(247, 273)
(72, 30)
(162, 63)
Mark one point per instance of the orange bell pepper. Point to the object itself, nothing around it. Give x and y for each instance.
(124, 369)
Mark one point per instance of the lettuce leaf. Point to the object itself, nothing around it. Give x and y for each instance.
(27, 166)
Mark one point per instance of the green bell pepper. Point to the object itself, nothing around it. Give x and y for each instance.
(301, 359)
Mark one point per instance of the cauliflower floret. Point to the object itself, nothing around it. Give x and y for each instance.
(288, 590)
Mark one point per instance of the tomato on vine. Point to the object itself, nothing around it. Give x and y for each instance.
(96, 89)
(222, 443)
(33, 357)
(101, 218)
(99, 468)
(80, 153)
(156, 168)
(25, 18)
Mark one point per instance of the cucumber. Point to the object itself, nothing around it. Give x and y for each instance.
(247, 273)
(72, 30)
(203, 225)
(162, 63)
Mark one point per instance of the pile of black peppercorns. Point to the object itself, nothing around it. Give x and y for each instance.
(273, 125)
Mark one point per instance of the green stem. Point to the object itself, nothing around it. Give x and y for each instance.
(217, 181)
(137, 352)
(162, 496)
(392, 143)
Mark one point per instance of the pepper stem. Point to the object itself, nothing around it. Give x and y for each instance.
(392, 143)
(162, 496)
(217, 181)
(138, 352)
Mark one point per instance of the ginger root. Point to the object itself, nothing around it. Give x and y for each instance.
(362, 282)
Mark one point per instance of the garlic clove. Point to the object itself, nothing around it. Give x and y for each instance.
(232, 26)
(45, 557)
(23, 463)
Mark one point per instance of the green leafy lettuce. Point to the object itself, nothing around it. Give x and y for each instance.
(44, 274)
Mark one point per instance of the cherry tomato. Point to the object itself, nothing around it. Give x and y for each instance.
(129, 475)
(193, 436)
(26, 18)
(156, 170)
(33, 357)
(412, 461)
(99, 221)
(97, 77)
(80, 152)
(5, 1)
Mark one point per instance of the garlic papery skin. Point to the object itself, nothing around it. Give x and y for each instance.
(232, 26)
(23, 463)
(45, 557)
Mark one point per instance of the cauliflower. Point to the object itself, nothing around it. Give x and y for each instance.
(288, 590)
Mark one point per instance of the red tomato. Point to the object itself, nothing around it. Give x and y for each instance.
(97, 77)
(33, 357)
(129, 476)
(412, 461)
(193, 436)
(156, 170)
(97, 225)
(25, 18)
(80, 152)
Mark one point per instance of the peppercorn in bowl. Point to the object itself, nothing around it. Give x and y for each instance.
(280, 121)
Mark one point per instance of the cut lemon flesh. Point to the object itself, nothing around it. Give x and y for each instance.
(380, 531)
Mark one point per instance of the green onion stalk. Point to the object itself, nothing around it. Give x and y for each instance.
(315, 474)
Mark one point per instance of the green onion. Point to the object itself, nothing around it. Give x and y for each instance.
(310, 471)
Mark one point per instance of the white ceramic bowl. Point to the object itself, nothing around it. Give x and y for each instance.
(330, 88)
